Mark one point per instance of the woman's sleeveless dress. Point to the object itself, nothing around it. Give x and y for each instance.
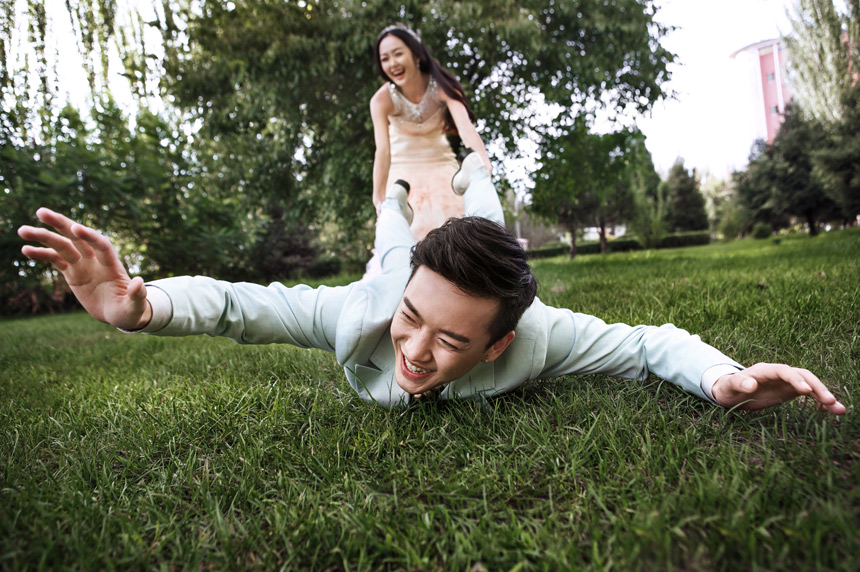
(422, 156)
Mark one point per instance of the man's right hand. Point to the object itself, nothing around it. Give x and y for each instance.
(92, 269)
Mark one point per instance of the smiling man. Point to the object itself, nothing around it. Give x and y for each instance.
(452, 316)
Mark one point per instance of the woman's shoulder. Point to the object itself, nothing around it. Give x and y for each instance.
(437, 92)
(381, 100)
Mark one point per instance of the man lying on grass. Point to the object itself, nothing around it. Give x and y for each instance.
(452, 316)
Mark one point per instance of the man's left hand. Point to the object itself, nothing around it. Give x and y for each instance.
(767, 384)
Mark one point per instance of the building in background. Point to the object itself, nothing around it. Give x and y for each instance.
(765, 66)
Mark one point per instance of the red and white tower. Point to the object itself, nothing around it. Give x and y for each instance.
(765, 62)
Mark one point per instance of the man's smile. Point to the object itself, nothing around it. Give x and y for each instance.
(414, 368)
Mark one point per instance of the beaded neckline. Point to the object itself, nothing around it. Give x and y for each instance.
(416, 112)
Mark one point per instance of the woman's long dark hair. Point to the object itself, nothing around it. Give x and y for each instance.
(427, 64)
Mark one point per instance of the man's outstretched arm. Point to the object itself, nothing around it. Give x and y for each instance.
(92, 269)
(582, 344)
(180, 306)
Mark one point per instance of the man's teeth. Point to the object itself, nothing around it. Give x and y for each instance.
(415, 368)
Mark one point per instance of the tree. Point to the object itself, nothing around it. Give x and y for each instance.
(282, 250)
(585, 179)
(754, 186)
(823, 55)
(824, 71)
(283, 87)
(685, 203)
(837, 162)
(780, 180)
(134, 176)
(262, 105)
(649, 202)
(795, 189)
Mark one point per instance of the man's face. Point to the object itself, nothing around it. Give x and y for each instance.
(440, 333)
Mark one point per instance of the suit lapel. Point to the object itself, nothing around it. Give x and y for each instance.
(376, 376)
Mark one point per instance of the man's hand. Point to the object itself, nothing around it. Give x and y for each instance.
(92, 269)
(767, 384)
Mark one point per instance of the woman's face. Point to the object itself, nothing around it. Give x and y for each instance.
(397, 60)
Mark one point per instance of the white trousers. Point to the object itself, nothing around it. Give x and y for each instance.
(394, 240)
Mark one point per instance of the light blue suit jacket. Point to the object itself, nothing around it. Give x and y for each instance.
(353, 322)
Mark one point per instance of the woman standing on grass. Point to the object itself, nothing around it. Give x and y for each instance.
(417, 106)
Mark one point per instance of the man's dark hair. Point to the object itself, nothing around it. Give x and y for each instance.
(483, 260)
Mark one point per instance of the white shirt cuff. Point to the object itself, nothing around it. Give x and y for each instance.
(712, 374)
(162, 311)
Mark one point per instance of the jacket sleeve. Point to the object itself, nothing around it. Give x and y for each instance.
(247, 313)
(582, 344)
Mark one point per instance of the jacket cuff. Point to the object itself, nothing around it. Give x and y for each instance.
(711, 375)
(162, 310)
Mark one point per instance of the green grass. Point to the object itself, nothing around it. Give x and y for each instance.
(135, 452)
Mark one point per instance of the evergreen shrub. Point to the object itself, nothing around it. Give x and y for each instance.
(682, 239)
(762, 230)
(677, 240)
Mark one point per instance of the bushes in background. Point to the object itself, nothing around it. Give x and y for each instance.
(677, 240)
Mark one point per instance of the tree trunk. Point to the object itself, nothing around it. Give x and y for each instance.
(571, 228)
(601, 221)
(810, 222)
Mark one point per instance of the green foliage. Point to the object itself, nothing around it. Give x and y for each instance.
(824, 64)
(623, 244)
(649, 220)
(548, 251)
(732, 219)
(281, 251)
(682, 239)
(796, 190)
(270, 78)
(761, 230)
(823, 56)
(837, 161)
(780, 180)
(265, 108)
(685, 204)
(754, 187)
(137, 452)
(137, 185)
(617, 245)
(728, 217)
(586, 179)
(323, 267)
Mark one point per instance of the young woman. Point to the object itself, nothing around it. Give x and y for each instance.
(417, 106)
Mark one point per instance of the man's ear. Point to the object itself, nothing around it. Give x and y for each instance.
(497, 348)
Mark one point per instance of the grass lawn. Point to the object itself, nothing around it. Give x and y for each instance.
(136, 452)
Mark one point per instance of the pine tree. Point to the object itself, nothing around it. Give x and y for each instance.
(685, 201)
(796, 190)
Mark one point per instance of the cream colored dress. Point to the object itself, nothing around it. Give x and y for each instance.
(422, 156)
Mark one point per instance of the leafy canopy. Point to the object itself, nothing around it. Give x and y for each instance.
(285, 86)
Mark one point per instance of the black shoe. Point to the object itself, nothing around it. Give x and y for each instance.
(399, 191)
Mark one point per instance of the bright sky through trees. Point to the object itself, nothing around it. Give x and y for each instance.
(709, 124)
